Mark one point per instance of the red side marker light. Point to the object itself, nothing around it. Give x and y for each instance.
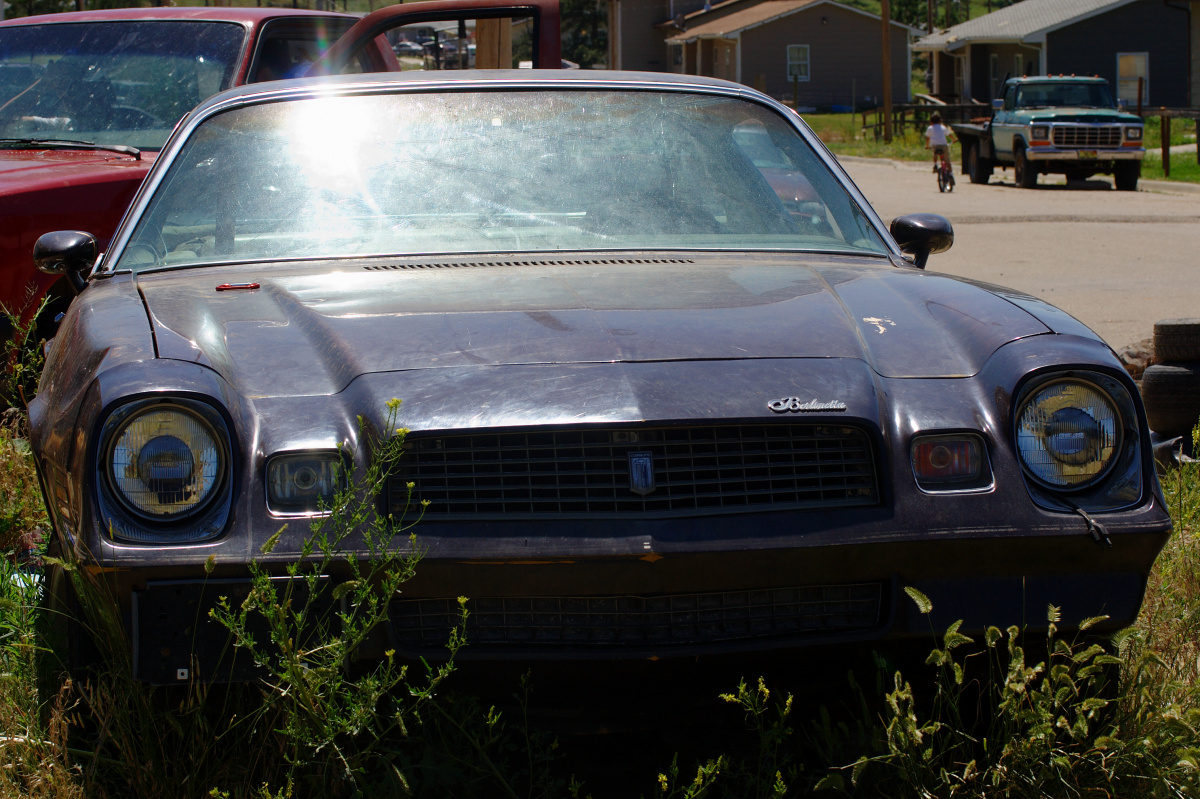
(237, 287)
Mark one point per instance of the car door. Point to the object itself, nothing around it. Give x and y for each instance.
(1004, 125)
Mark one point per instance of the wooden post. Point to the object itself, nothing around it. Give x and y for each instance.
(1164, 128)
(493, 43)
(796, 92)
(885, 15)
(929, 12)
(1141, 81)
(760, 82)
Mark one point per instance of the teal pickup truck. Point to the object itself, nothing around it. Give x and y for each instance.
(1055, 124)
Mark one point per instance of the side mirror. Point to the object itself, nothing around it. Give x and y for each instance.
(997, 104)
(922, 235)
(70, 253)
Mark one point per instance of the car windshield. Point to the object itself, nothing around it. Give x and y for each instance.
(1064, 95)
(124, 83)
(473, 172)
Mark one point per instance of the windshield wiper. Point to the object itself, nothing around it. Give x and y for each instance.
(69, 144)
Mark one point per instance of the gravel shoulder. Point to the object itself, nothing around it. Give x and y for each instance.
(1117, 261)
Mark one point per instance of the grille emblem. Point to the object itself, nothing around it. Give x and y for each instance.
(641, 473)
(796, 405)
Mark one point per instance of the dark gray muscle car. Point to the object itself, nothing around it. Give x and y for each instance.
(657, 414)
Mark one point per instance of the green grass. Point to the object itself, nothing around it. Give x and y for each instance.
(844, 135)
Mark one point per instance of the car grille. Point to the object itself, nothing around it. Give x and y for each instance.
(633, 621)
(1086, 135)
(695, 471)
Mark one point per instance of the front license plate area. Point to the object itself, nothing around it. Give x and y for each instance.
(175, 641)
(1088, 154)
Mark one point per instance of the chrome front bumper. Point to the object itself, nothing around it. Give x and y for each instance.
(1098, 154)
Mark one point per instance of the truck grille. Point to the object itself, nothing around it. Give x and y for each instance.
(1082, 136)
(632, 621)
(634, 471)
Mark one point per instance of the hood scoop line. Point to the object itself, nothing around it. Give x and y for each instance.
(479, 264)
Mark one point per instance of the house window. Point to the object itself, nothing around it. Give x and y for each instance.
(1018, 65)
(1131, 67)
(797, 55)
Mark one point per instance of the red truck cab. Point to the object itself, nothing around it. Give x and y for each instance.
(88, 98)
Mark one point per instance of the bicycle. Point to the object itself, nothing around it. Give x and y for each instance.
(945, 175)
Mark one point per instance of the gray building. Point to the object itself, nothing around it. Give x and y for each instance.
(1128, 42)
(824, 52)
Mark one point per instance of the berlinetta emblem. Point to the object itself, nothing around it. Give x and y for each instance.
(797, 405)
(641, 473)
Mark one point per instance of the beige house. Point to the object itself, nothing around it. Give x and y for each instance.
(829, 53)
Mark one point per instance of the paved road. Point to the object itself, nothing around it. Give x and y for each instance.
(1118, 261)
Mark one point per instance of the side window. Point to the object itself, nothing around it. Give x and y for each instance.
(286, 48)
(1010, 98)
(797, 62)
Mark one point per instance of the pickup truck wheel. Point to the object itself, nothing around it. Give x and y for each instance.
(978, 167)
(1023, 171)
(1126, 174)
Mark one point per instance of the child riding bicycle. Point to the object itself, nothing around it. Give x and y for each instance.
(938, 138)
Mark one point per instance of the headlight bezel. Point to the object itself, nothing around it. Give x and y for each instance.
(126, 523)
(1121, 483)
(1131, 130)
(338, 456)
(1040, 131)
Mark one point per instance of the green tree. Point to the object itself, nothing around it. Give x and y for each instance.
(585, 31)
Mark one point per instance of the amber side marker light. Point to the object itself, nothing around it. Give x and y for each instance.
(956, 462)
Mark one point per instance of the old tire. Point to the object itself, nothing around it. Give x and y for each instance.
(1171, 393)
(1126, 174)
(979, 169)
(1177, 340)
(1023, 171)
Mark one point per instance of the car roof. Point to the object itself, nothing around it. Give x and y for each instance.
(223, 14)
(481, 79)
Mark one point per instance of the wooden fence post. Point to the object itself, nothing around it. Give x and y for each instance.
(1164, 129)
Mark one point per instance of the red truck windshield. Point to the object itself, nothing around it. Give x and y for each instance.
(124, 83)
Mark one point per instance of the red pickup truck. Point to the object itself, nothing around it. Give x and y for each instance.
(87, 100)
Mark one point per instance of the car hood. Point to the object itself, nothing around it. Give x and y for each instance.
(37, 168)
(1081, 115)
(313, 328)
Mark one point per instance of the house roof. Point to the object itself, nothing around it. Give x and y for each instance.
(1027, 21)
(758, 14)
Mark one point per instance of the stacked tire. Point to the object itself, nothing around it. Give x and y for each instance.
(1171, 387)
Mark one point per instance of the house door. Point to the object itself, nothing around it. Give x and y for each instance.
(1131, 67)
(723, 66)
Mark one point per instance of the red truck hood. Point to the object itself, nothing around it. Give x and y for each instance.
(64, 167)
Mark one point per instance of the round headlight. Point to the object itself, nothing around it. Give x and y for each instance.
(1068, 434)
(165, 462)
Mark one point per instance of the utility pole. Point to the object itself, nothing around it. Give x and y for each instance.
(885, 13)
(929, 12)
